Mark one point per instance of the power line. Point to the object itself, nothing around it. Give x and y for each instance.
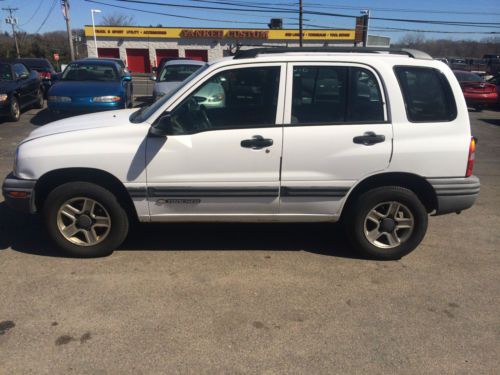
(34, 14)
(396, 10)
(284, 10)
(174, 15)
(47, 17)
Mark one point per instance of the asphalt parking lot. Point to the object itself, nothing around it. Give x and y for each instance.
(263, 299)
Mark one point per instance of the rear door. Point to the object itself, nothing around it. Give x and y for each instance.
(336, 132)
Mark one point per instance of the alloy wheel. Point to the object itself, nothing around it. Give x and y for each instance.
(83, 221)
(388, 225)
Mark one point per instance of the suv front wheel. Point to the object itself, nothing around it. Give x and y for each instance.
(387, 223)
(85, 219)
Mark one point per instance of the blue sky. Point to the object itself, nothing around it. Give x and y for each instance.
(32, 14)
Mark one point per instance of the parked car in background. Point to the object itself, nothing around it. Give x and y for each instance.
(172, 74)
(157, 69)
(45, 71)
(495, 80)
(478, 93)
(118, 61)
(19, 88)
(91, 85)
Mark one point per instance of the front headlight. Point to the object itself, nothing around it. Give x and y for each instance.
(3, 97)
(106, 99)
(60, 99)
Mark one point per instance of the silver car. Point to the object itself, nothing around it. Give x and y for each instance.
(172, 74)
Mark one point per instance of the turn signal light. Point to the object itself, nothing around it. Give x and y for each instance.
(18, 194)
(472, 156)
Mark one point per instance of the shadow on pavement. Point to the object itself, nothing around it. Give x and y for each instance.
(492, 121)
(44, 116)
(142, 101)
(26, 234)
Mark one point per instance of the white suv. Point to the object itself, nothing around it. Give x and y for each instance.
(376, 139)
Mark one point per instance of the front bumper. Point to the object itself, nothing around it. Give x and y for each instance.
(19, 194)
(83, 106)
(455, 194)
(5, 107)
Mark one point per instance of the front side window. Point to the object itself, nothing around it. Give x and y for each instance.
(177, 73)
(237, 98)
(427, 94)
(20, 70)
(335, 94)
(89, 72)
(5, 72)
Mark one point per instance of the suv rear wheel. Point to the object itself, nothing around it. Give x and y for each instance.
(387, 223)
(85, 220)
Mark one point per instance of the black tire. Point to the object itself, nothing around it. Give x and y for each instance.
(14, 110)
(39, 100)
(376, 198)
(118, 227)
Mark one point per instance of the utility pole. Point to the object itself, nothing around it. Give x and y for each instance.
(65, 11)
(366, 19)
(300, 23)
(12, 21)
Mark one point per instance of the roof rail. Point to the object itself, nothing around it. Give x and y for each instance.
(254, 52)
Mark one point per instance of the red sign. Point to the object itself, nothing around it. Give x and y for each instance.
(56, 56)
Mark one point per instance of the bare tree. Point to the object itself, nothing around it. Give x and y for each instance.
(117, 20)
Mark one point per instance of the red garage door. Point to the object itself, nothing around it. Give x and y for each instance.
(161, 53)
(197, 54)
(108, 52)
(138, 60)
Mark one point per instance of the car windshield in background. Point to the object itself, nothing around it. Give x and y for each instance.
(468, 77)
(145, 112)
(90, 72)
(177, 73)
(5, 73)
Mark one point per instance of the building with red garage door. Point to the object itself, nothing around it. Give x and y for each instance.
(142, 48)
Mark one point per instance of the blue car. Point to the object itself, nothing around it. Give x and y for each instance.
(91, 86)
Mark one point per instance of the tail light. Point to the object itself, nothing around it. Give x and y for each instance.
(44, 75)
(472, 156)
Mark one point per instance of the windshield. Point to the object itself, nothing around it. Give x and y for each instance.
(145, 112)
(89, 72)
(5, 72)
(177, 73)
(468, 77)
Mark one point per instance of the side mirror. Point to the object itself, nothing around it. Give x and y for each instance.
(54, 77)
(24, 76)
(126, 78)
(162, 126)
(152, 78)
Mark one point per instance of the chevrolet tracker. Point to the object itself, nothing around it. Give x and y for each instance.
(376, 139)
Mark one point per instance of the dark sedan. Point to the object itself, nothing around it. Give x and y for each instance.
(90, 86)
(44, 68)
(19, 88)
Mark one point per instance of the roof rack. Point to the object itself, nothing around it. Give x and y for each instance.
(254, 52)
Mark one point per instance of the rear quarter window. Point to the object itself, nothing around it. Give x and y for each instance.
(427, 94)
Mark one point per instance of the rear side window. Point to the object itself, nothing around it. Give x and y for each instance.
(335, 95)
(427, 94)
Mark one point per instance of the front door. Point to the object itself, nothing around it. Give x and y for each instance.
(336, 132)
(221, 157)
